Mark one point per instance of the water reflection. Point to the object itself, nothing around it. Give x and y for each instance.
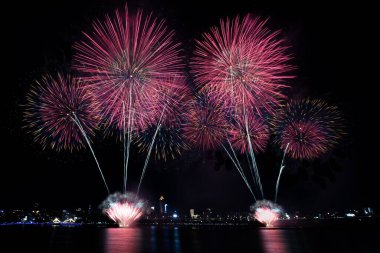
(273, 241)
(123, 240)
(143, 239)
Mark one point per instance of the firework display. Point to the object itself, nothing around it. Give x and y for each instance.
(169, 143)
(243, 61)
(127, 59)
(130, 80)
(258, 133)
(56, 110)
(311, 127)
(206, 124)
(266, 212)
(124, 209)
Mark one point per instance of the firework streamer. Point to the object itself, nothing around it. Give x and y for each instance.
(150, 151)
(282, 167)
(253, 159)
(124, 60)
(76, 120)
(244, 64)
(61, 112)
(240, 170)
(124, 152)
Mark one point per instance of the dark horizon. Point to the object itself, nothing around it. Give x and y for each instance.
(331, 50)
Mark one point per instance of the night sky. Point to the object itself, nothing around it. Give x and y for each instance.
(333, 50)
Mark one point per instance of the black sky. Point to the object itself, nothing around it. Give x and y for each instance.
(333, 48)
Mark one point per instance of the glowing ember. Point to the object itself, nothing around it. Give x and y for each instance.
(266, 212)
(124, 209)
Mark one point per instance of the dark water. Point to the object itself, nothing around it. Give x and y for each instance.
(186, 239)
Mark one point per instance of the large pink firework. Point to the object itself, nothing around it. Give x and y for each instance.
(258, 133)
(309, 128)
(56, 108)
(206, 125)
(244, 62)
(127, 59)
(124, 209)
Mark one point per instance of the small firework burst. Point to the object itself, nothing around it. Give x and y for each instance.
(127, 59)
(243, 62)
(169, 142)
(206, 125)
(258, 133)
(310, 127)
(124, 209)
(266, 212)
(57, 107)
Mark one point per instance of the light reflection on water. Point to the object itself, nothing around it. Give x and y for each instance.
(122, 240)
(165, 239)
(136, 239)
(168, 239)
(273, 241)
(186, 239)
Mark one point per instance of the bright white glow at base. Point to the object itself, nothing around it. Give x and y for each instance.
(124, 213)
(123, 208)
(266, 215)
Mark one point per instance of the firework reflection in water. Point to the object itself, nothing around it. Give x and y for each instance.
(124, 209)
(266, 212)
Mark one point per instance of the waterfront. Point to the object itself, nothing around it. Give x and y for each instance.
(194, 239)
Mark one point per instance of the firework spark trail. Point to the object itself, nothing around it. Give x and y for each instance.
(76, 120)
(149, 152)
(251, 171)
(254, 167)
(240, 170)
(282, 167)
(124, 151)
(129, 130)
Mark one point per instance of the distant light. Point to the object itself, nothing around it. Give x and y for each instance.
(152, 207)
(350, 214)
(175, 215)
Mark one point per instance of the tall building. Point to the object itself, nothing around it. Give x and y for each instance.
(161, 204)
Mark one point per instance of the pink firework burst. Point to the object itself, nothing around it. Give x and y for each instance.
(206, 125)
(244, 62)
(266, 212)
(127, 59)
(55, 108)
(169, 103)
(124, 209)
(171, 110)
(310, 127)
(258, 133)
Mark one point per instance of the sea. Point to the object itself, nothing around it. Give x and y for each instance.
(192, 239)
